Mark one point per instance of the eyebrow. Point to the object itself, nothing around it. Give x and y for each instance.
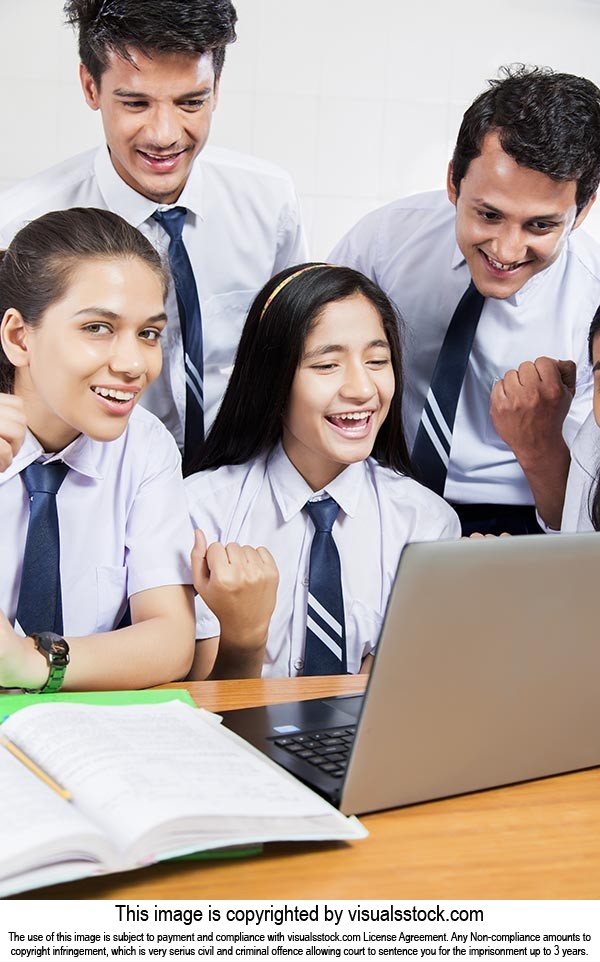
(342, 348)
(140, 95)
(495, 210)
(111, 316)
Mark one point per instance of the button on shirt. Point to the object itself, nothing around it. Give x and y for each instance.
(585, 465)
(122, 520)
(409, 248)
(243, 226)
(260, 503)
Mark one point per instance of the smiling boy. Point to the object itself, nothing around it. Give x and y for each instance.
(226, 221)
(497, 292)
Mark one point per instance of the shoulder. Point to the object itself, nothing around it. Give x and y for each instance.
(51, 189)
(399, 222)
(223, 485)
(231, 166)
(145, 448)
(431, 515)
(584, 257)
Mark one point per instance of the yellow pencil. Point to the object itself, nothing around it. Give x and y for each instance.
(31, 765)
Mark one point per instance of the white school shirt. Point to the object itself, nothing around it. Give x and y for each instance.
(583, 471)
(243, 227)
(122, 522)
(260, 503)
(409, 248)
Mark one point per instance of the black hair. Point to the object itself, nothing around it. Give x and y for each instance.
(250, 419)
(37, 267)
(153, 27)
(594, 499)
(547, 121)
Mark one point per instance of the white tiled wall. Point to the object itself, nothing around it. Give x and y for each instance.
(359, 99)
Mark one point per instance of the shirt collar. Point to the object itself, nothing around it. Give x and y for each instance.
(134, 207)
(82, 455)
(292, 492)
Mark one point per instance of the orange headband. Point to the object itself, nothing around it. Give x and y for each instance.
(286, 281)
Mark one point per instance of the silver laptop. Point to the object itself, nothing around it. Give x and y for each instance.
(487, 672)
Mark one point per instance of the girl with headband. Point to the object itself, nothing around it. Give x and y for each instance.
(92, 508)
(308, 457)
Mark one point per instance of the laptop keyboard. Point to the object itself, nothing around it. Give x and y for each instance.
(328, 750)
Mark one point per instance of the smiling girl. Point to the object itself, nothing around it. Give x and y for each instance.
(90, 484)
(307, 456)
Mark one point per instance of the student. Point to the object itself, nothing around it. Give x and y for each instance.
(310, 436)
(152, 69)
(492, 277)
(91, 497)
(582, 499)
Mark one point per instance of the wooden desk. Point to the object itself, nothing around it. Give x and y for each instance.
(539, 840)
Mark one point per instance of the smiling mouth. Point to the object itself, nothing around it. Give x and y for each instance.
(162, 159)
(503, 268)
(351, 423)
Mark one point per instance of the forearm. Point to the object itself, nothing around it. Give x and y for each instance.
(546, 474)
(157, 648)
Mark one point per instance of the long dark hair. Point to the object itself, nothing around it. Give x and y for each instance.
(36, 269)
(594, 499)
(250, 418)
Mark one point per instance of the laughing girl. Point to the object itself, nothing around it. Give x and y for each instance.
(307, 457)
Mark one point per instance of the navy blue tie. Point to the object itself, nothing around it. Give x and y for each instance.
(325, 652)
(431, 452)
(190, 319)
(39, 607)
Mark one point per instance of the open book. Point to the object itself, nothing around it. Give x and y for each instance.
(147, 782)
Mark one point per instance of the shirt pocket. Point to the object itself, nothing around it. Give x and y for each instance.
(363, 627)
(225, 315)
(111, 596)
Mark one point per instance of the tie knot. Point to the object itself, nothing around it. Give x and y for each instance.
(44, 478)
(323, 513)
(172, 221)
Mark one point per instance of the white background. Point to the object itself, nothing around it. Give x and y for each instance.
(360, 99)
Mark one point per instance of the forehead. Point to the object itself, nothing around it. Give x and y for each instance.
(352, 320)
(116, 284)
(164, 74)
(496, 179)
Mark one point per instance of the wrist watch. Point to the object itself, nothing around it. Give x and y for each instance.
(56, 652)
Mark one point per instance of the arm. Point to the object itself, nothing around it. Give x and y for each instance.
(528, 408)
(239, 584)
(156, 648)
(13, 425)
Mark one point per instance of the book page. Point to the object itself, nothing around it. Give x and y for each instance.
(37, 825)
(131, 769)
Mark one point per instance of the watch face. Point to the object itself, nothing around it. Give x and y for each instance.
(58, 647)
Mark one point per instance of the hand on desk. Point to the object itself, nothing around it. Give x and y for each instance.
(13, 425)
(528, 408)
(239, 585)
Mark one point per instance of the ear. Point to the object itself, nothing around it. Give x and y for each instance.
(581, 216)
(90, 89)
(450, 188)
(13, 335)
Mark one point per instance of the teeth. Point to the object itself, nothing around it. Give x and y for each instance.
(501, 267)
(354, 416)
(115, 395)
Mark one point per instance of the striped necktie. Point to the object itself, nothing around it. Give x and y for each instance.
(39, 607)
(325, 652)
(190, 319)
(431, 452)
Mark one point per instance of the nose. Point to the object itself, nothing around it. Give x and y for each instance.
(128, 356)
(509, 244)
(358, 384)
(163, 128)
